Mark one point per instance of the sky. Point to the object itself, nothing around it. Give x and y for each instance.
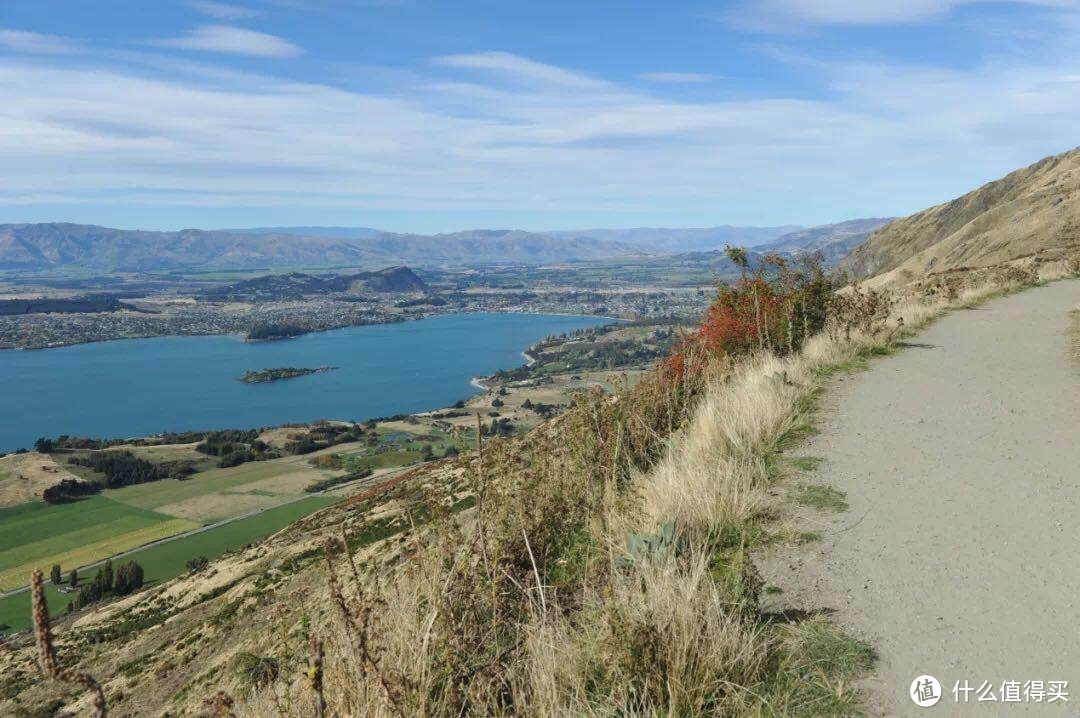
(425, 116)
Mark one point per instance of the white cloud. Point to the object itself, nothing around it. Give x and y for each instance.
(524, 134)
(36, 43)
(521, 69)
(679, 78)
(221, 11)
(860, 12)
(233, 41)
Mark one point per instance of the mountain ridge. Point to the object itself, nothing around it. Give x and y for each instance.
(1030, 210)
(57, 245)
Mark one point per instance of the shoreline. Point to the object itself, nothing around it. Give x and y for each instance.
(476, 382)
(243, 335)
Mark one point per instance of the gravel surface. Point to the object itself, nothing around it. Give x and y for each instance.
(958, 556)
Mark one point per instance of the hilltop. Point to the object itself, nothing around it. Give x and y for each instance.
(1029, 211)
(297, 285)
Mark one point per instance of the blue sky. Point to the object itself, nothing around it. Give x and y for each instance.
(416, 115)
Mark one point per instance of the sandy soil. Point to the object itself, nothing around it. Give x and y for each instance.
(957, 557)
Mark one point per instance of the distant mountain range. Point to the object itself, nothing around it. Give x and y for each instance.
(57, 245)
(673, 240)
(332, 232)
(834, 241)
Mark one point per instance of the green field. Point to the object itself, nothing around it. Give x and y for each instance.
(37, 535)
(167, 560)
(169, 491)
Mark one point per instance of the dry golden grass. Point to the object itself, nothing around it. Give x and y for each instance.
(24, 476)
(1032, 210)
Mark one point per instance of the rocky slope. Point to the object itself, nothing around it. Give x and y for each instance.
(1030, 211)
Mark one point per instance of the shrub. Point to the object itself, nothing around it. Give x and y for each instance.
(258, 671)
(194, 565)
(776, 307)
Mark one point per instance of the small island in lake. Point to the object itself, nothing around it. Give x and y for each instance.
(288, 372)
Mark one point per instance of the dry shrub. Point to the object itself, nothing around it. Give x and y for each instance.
(865, 310)
(1072, 266)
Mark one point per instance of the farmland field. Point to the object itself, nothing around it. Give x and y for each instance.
(155, 494)
(166, 561)
(37, 535)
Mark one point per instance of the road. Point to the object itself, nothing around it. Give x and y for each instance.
(957, 558)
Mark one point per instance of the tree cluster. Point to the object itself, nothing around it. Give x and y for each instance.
(127, 579)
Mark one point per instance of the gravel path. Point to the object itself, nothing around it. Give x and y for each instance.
(958, 556)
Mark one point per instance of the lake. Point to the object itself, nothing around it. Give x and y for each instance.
(135, 387)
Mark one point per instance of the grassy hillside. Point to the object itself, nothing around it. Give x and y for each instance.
(1032, 210)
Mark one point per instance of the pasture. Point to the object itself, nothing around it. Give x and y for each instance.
(168, 560)
(37, 535)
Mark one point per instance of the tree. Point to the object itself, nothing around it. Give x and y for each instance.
(104, 578)
(43, 445)
(129, 578)
(74, 578)
(426, 452)
(54, 575)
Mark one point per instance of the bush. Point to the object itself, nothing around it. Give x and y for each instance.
(774, 308)
(194, 565)
(259, 671)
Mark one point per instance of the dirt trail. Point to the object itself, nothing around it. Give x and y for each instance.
(958, 556)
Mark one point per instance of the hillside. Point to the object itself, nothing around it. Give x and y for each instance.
(311, 231)
(1028, 211)
(834, 241)
(297, 285)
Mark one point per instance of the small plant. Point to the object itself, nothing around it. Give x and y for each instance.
(259, 671)
(823, 497)
(47, 660)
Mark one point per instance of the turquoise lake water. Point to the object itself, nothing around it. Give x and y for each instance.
(135, 387)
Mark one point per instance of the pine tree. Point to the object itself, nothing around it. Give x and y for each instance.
(55, 575)
(106, 575)
(74, 579)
